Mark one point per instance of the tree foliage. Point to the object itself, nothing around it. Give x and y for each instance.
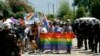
(95, 8)
(19, 5)
(2, 5)
(50, 17)
(80, 12)
(64, 10)
(15, 8)
(5, 9)
(84, 3)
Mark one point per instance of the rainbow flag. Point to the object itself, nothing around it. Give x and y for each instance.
(31, 16)
(45, 40)
(45, 21)
(63, 40)
(69, 36)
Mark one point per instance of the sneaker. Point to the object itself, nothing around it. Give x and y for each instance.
(31, 52)
(43, 52)
(69, 52)
(56, 52)
(40, 53)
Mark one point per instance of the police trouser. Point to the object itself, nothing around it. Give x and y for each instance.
(80, 41)
(97, 40)
(91, 43)
(85, 42)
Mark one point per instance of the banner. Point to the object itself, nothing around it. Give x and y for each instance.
(62, 40)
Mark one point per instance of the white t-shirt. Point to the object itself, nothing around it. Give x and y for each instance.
(70, 28)
(59, 29)
(27, 30)
(43, 30)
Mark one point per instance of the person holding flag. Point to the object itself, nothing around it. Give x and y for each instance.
(69, 35)
(43, 33)
(56, 37)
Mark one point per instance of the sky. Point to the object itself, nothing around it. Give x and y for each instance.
(46, 6)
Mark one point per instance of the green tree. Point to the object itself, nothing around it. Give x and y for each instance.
(69, 15)
(50, 17)
(5, 9)
(95, 8)
(15, 8)
(19, 7)
(2, 5)
(64, 10)
(84, 3)
(80, 12)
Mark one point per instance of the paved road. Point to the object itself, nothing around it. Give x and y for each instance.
(75, 52)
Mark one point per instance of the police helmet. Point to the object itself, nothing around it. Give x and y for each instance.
(97, 21)
(8, 25)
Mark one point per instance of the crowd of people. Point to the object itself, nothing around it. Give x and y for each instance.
(18, 38)
(35, 30)
(21, 37)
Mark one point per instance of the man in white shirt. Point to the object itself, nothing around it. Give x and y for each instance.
(26, 39)
(43, 29)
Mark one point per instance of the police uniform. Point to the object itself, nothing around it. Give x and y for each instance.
(84, 35)
(96, 37)
(90, 36)
(8, 42)
(77, 32)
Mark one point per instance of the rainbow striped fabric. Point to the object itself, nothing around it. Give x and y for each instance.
(63, 40)
(31, 16)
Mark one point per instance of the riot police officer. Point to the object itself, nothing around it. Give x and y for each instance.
(8, 42)
(90, 34)
(83, 32)
(97, 36)
(77, 32)
(80, 34)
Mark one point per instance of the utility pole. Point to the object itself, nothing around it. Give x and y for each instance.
(48, 8)
(53, 10)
